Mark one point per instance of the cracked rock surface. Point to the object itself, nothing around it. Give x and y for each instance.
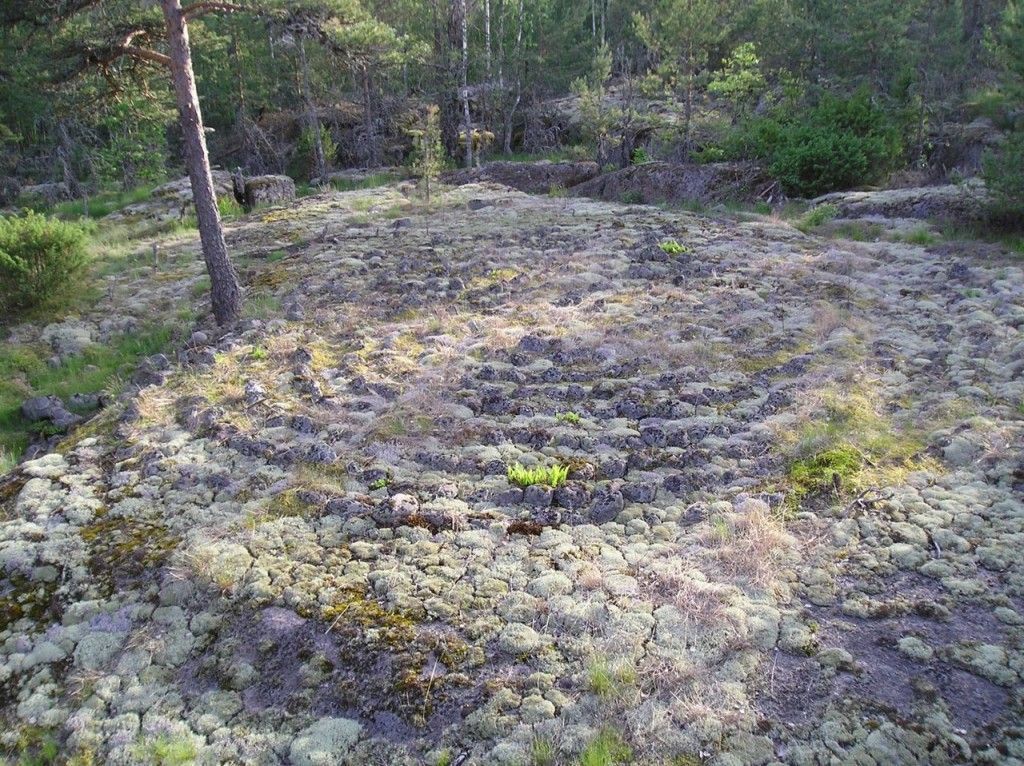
(791, 530)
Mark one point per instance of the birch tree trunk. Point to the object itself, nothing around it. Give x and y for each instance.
(225, 291)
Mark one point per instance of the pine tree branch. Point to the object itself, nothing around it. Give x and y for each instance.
(202, 7)
(145, 54)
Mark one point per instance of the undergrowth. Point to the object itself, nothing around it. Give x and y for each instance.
(25, 372)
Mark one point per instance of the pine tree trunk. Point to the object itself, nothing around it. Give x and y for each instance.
(319, 160)
(511, 115)
(464, 82)
(225, 291)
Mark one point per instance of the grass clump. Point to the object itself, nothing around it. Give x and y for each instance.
(607, 749)
(166, 750)
(381, 483)
(552, 476)
(371, 181)
(832, 469)
(542, 752)
(229, 207)
(607, 681)
(816, 217)
(671, 247)
(571, 418)
(921, 237)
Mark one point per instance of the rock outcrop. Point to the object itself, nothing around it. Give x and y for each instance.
(956, 203)
(661, 182)
(529, 177)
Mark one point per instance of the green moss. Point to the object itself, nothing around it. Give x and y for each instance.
(353, 609)
(834, 468)
(289, 503)
(851, 445)
(571, 418)
(26, 599)
(120, 545)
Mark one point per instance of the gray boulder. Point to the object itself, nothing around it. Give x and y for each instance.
(268, 190)
(50, 193)
(40, 408)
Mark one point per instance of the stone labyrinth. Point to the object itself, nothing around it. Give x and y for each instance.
(791, 531)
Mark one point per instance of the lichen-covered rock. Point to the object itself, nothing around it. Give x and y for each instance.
(664, 182)
(268, 190)
(529, 177)
(957, 203)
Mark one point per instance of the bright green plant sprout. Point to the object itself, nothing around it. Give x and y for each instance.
(571, 418)
(380, 483)
(553, 476)
(672, 247)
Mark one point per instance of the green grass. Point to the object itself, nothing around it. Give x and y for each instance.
(571, 418)
(607, 749)
(552, 476)
(542, 752)
(229, 208)
(99, 205)
(369, 182)
(921, 237)
(858, 231)
(165, 750)
(24, 373)
(852, 444)
(261, 305)
(817, 216)
(608, 681)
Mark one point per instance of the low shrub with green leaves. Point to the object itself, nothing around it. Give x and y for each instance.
(837, 144)
(38, 257)
(553, 476)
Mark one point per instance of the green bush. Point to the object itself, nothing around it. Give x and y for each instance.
(838, 144)
(38, 256)
(1004, 176)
